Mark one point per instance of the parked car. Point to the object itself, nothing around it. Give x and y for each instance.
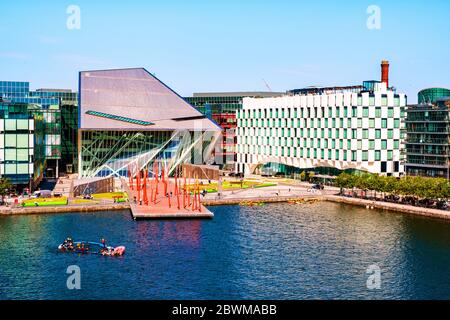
(42, 194)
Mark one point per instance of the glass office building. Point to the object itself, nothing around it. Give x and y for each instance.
(22, 154)
(59, 133)
(428, 139)
(431, 95)
(68, 126)
(129, 118)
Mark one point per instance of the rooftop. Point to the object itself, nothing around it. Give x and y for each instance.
(239, 94)
(134, 99)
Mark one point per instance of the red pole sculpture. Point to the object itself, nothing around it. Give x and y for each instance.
(168, 197)
(144, 196)
(184, 193)
(138, 186)
(163, 179)
(151, 190)
(176, 192)
(130, 177)
(194, 201)
(199, 201)
(156, 180)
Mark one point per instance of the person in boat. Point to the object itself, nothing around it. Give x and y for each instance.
(68, 243)
(103, 241)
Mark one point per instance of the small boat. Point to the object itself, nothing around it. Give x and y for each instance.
(89, 247)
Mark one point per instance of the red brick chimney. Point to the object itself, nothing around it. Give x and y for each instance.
(385, 72)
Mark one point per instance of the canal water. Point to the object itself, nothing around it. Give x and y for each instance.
(276, 251)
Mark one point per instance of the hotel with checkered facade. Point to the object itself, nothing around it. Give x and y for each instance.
(345, 128)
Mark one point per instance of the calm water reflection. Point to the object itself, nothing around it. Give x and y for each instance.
(314, 251)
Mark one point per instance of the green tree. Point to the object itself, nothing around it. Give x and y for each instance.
(5, 187)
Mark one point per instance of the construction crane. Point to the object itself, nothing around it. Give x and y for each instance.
(267, 85)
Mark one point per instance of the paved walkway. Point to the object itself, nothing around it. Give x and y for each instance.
(427, 212)
(270, 192)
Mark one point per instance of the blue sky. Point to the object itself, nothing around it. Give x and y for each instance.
(231, 45)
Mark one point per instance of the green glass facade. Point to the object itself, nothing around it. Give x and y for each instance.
(69, 137)
(428, 139)
(64, 121)
(22, 153)
(59, 112)
(216, 104)
(431, 95)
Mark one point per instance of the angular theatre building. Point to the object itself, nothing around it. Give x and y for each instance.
(127, 117)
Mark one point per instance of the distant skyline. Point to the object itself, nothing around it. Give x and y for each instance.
(201, 46)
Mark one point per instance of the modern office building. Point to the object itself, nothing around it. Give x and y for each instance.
(326, 129)
(428, 138)
(221, 107)
(55, 106)
(127, 117)
(431, 95)
(68, 122)
(22, 153)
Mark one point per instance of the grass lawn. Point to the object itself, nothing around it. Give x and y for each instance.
(84, 201)
(120, 196)
(41, 202)
(232, 185)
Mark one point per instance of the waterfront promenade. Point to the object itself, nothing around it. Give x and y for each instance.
(282, 192)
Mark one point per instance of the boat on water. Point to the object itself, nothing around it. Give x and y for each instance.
(90, 247)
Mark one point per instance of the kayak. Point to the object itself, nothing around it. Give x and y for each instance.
(89, 247)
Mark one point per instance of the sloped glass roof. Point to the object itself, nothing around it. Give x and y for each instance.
(125, 99)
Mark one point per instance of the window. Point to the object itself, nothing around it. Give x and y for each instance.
(366, 112)
(378, 133)
(365, 133)
(389, 155)
(22, 140)
(133, 121)
(365, 155)
(390, 133)
(384, 123)
(377, 155)
(10, 140)
(390, 112)
(396, 144)
(378, 112)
